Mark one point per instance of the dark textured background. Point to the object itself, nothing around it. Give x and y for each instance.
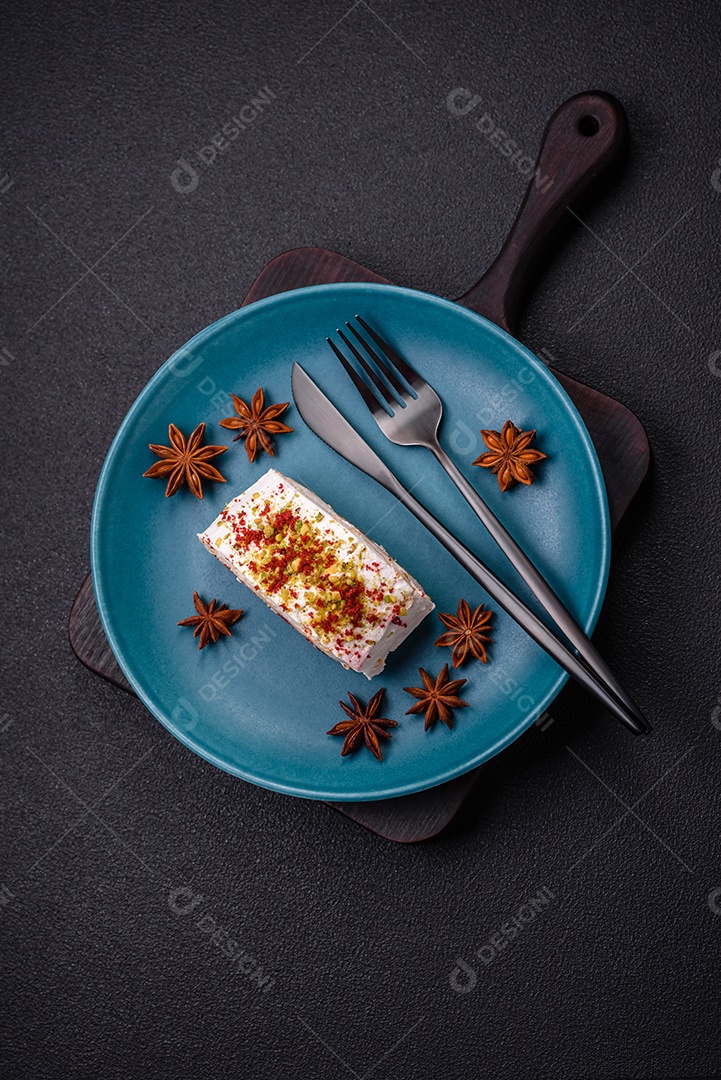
(103, 812)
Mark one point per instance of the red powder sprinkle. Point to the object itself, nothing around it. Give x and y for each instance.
(296, 559)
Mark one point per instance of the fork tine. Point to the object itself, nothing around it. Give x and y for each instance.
(409, 374)
(382, 366)
(363, 389)
(383, 390)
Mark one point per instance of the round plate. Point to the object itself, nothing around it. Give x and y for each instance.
(259, 704)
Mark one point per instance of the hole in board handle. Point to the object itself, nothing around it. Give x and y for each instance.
(588, 125)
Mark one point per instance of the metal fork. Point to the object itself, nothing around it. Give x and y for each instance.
(414, 421)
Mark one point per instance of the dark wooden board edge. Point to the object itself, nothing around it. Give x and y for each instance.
(623, 451)
(88, 640)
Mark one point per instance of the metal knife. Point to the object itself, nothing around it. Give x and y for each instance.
(328, 424)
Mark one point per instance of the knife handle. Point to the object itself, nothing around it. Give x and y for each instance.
(584, 138)
(534, 579)
(514, 606)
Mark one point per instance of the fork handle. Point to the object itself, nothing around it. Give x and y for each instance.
(515, 607)
(536, 582)
(582, 140)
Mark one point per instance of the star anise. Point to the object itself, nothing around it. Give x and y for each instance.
(211, 620)
(437, 698)
(185, 461)
(363, 724)
(509, 455)
(256, 424)
(468, 632)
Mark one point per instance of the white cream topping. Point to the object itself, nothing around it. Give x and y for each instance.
(322, 575)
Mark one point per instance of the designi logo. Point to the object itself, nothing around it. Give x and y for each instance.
(185, 178)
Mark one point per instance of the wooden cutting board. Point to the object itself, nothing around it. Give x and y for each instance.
(583, 141)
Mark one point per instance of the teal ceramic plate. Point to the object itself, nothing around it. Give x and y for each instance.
(260, 703)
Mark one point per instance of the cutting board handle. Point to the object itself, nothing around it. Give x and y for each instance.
(583, 139)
